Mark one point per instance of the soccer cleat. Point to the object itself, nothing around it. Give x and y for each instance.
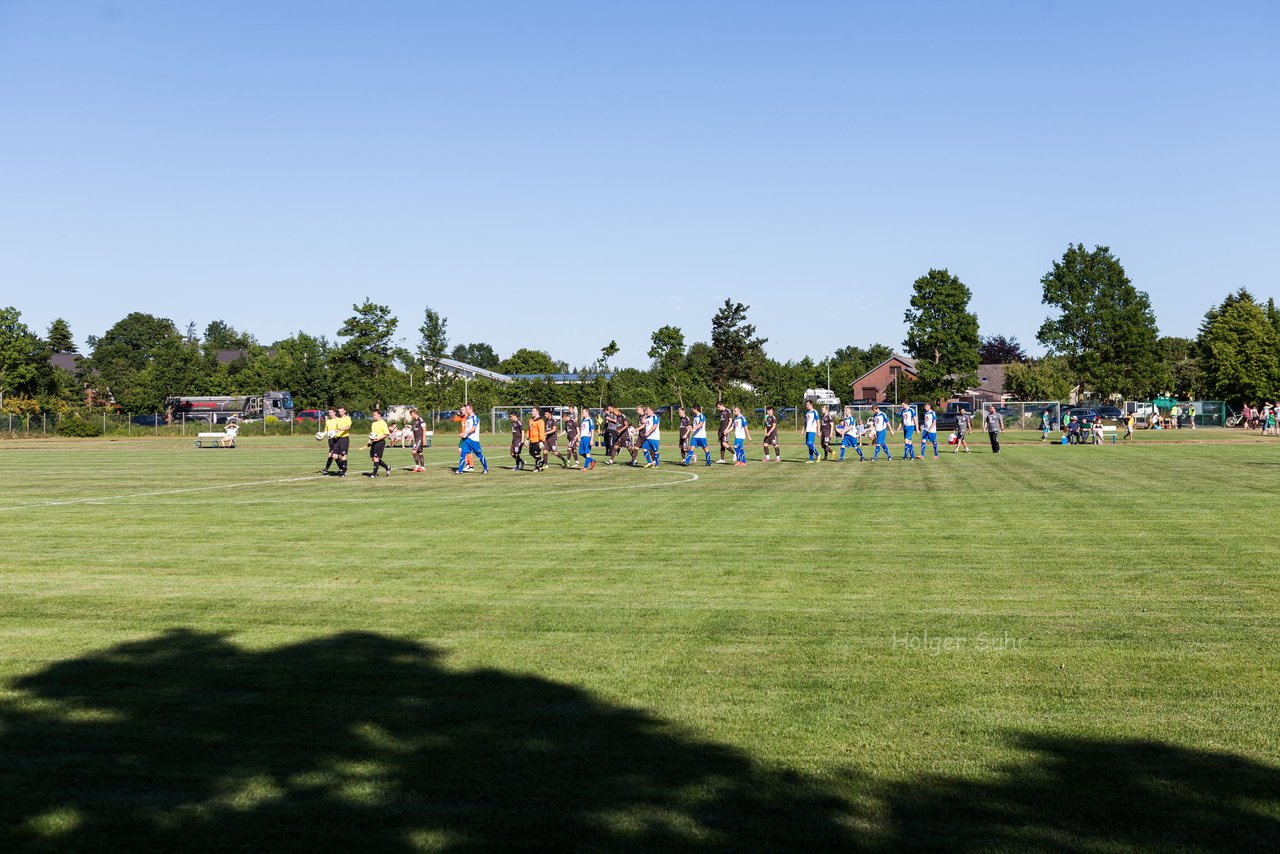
(648, 465)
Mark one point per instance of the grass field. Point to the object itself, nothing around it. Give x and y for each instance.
(1049, 649)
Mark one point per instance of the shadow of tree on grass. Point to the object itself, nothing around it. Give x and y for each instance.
(360, 742)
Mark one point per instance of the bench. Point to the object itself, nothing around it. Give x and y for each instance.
(212, 440)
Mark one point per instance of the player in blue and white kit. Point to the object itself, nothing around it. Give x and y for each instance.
(908, 418)
(880, 427)
(586, 432)
(848, 430)
(929, 431)
(699, 439)
(650, 424)
(740, 436)
(811, 420)
(470, 441)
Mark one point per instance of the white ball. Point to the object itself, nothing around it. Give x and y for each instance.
(320, 435)
(373, 437)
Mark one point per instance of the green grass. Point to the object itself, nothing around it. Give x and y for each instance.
(1053, 648)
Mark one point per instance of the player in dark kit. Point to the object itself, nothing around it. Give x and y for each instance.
(826, 425)
(419, 429)
(610, 416)
(725, 429)
(517, 439)
(571, 436)
(686, 433)
(771, 435)
(552, 444)
(622, 440)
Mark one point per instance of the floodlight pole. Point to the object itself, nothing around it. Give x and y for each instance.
(828, 372)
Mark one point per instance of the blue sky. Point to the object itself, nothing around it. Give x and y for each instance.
(556, 174)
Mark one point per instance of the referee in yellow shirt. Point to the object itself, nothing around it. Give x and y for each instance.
(378, 444)
(341, 442)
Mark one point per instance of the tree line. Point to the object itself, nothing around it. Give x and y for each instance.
(1100, 335)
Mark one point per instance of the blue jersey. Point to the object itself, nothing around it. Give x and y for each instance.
(930, 421)
(908, 416)
(699, 426)
(471, 428)
(655, 431)
(587, 428)
(879, 422)
(740, 427)
(850, 424)
(811, 421)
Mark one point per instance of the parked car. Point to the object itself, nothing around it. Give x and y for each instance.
(1110, 413)
(358, 415)
(1083, 414)
(309, 415)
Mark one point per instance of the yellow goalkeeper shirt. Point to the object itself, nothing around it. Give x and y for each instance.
(379, 430)
(340, 425)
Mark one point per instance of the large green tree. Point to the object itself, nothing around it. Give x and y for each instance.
(479, 354)
(1104, 326)
(1039, 379)
(1240, 351)
(433, 344)
(942, 336)
(736, 352)
(529, 361)
(20, 354)
(667, 353)
(358, 362)
(59, 338)
(120, 357)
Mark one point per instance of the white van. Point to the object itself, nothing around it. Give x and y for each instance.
(821, 396)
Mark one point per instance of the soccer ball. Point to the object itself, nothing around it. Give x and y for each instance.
(320, 435)
(373, 437)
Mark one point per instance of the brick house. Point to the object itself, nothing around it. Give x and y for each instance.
(878, 383)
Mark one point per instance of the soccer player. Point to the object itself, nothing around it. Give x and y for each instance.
(419, 429)
(341, 427)
(469, 443)
(552, 445)
(686, 432)
(964, 423)
(849, 435)
(699, 439)
(652, 437)
(537, 437)
(908, 417)
(517, 438)
(1128, 425)
(327, 427)
(571, 436)
(725, 425)
(1044, 425)
(610, 418)
(585, 434)
(771, 434)
(622, 437)
(740, 436)
(825, 424)
(811, 430)
(881, 427)
(378, 434)
(929, 431)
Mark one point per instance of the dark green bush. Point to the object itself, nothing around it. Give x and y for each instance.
(79, 427)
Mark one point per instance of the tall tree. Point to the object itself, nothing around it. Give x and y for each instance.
(479, 354)
(667, 352)
(601, 369)
(220, 335)
(59, 338)
(999, 350)
(736, 352)
(433, 343)
(529, 361)
(1105, 327)
(1041, 379)
(1240, 347)
(20, 353)
(124, 352)
(942, 336)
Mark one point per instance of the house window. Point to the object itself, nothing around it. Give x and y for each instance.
(870, 392)
(894, 370)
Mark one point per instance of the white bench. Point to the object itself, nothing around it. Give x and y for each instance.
(212, 440)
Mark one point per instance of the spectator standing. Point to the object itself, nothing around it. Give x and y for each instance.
(995, 424)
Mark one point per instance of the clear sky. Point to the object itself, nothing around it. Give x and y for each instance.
(556, 174)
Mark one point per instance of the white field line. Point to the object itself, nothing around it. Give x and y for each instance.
(692, 476)
(103, 498)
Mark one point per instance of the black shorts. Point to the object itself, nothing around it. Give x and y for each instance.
(340, 446)
(535, 448)
(551, 446)
(724, 437)
(516, 447)
(771, 438)
(376, 448)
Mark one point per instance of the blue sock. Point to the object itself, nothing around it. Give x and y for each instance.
(647, 458)
(657, 463)
(842, 453)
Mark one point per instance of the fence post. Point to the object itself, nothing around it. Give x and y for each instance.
(155, 422)
(44, 424)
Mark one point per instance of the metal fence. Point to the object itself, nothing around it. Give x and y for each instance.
(155, 424)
